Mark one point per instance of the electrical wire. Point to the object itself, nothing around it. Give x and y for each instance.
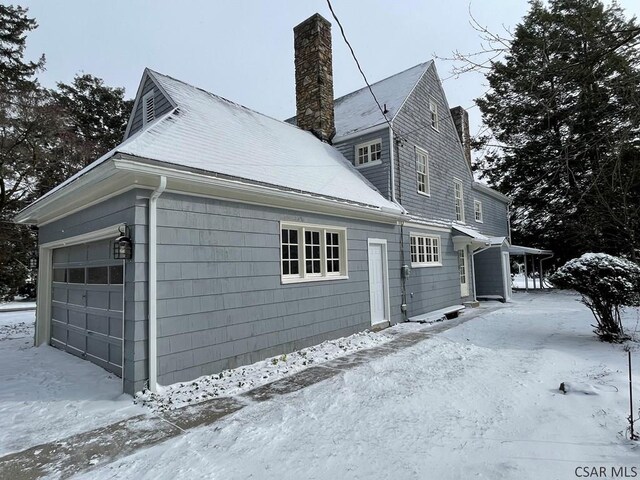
(353, 54)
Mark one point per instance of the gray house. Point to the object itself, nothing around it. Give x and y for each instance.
(252, 237)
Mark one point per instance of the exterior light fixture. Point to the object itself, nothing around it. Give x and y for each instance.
(122, 246)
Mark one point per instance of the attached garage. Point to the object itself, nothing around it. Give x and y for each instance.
(87, 303)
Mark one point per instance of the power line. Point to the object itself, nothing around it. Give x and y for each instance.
(353, 54)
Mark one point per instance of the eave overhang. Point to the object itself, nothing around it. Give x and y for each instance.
(123, 172)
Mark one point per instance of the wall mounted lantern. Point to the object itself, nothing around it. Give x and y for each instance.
(122, 246)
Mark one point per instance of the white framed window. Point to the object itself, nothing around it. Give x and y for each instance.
(459, 200)
(312, 252)
(435, 120)
(422, 171)
(148, 107)
(477, 210)
(425, 250)
(369, 153)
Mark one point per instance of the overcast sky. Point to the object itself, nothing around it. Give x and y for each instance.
(243, 49)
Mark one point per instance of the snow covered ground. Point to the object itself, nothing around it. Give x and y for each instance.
(241, 379)
(46, 394)
(478, 401)
(17, 305)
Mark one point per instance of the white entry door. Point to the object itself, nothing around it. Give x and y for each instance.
(506, 273)
(378, 281)
(463, 266)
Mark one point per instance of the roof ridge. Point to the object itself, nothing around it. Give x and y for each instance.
(219, 97)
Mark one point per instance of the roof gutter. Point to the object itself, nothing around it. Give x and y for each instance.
(152, 285)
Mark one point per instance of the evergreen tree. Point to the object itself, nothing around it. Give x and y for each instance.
(563, 106)
(45, 137)
(24, 126)
(93, 118)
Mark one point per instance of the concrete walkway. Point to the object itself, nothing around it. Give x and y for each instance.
(66, 457)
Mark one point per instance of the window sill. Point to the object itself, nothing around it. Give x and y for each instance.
(479, 221)
(424, 194)
(369, 164)
(285, 281)
(425, 265)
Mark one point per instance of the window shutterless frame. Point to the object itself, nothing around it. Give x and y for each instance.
(321, 252)
(458, 194)
(368, 153)
(422, 172)
(425, 250)
(477, 211)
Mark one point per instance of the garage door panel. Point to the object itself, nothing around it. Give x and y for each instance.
(78, 319)
(115, 354)
(77, 254)
(76, 297)
(77, 340)
(59, 313)
(59, 334)
(115, 300)
(98, 324)
(97, 348)
(98, 299)
(87, 305)
(99, 250)
(59, 294)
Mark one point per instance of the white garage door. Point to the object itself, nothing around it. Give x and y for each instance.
(87, 304)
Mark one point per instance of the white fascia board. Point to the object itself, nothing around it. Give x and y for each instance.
(490, 191)
(360, 133)
(73, 195)
(187, 182)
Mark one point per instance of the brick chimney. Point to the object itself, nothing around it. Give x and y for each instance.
(314, 77)
(461, 122)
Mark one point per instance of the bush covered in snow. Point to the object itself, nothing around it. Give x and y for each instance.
(606, 284)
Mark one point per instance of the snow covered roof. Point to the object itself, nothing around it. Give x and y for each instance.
(470, 232)
(497, 240)
(358, 111)
(212, 134)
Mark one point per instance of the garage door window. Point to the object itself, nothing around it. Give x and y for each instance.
(112, 275)
(98, 275)
(60, 275)
(115, 275)
(76, 275)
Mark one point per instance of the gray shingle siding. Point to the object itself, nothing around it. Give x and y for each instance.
(495, 215)
(446, 160)
(221, 302)
(432, 288)
(378, 175)
(161, 105)
(124, 208)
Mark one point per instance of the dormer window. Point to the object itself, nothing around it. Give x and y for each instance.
(369, 153)
(435, 122)
(148, 108)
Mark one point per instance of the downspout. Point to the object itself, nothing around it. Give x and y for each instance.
(541, 278)
(526, 274)
(473, 269)
(152, 283)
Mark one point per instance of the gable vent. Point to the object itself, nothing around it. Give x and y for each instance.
(148, 105)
